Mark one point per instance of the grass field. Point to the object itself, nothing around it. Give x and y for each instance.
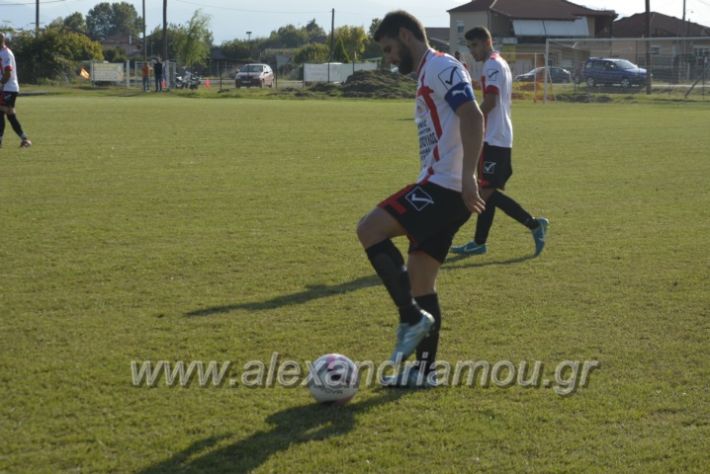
(161, 228)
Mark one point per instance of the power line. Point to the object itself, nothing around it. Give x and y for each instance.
(271, 12)
(30, 3)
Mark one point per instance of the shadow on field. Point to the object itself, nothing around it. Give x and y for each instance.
(291, 427)
(314, 292)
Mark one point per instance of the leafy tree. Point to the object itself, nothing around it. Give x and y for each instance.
(115, 55)
(312, 53)
(287, 37)
(340, 54)
(108, 19)
(53, 54)
(194, 40)
(237, 49)
(314, 31)
(353, 39)
(76, 23)
(373, 27)
(155, 41)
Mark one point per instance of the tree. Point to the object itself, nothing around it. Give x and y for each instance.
(108, 19)
(312, 53)
(194, 40)
(76, 23)
(287, 37)
(340, 54)
(155, 41)
(353, 39)
(53, 54)
(373, 27)
(237, 50)
(99, 21)
(314, 31)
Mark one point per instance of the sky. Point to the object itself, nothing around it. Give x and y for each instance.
(231, 19)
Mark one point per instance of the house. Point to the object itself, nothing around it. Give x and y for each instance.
(662, 25)
(673, 58)
(130, 45)
(521, 27)
(438, 37)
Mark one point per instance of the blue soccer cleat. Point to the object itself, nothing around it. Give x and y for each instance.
(470, 248)
(539, 234)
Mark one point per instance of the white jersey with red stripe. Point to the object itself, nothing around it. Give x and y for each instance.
(7, 62)
(442, 87)
(496, 79)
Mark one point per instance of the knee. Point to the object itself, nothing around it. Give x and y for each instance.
(362, 230)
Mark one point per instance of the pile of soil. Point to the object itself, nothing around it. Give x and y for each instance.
(379, 84)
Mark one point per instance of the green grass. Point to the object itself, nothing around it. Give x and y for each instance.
(157, 228)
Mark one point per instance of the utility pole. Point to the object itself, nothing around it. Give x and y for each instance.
(648, 47)
(332, 39)
(165, 30)
(145, 40)
(685, 28)
(37, 18)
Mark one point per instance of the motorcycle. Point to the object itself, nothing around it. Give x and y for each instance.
(188, 80)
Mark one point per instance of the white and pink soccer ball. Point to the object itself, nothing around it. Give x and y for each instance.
(333, 379)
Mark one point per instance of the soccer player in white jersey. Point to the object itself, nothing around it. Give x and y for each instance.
(9, 88)
(495, 165)
(430, 211)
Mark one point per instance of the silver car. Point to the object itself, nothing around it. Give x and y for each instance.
(259, 75)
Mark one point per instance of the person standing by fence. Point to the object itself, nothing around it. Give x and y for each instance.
(146, 77)
(158, 73)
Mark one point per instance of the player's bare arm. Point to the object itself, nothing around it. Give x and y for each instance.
(489, 103)
(471, 123)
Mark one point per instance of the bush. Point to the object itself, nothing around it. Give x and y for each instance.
(53, 55)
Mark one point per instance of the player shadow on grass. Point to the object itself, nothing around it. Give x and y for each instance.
(314, 292)
(291, 427)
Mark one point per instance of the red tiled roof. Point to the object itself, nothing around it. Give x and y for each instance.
(533, 9)
(662, 25)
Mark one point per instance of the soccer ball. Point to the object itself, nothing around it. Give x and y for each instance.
(333, 379)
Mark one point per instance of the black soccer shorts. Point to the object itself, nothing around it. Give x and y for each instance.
(495, 166)
(430, 214)
(7, 99)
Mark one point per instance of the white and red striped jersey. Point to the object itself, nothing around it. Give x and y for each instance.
(443, 86)
(496, 79)
(7, 62)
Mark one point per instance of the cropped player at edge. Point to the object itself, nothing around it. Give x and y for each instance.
(9, 89)
(430, 211)
(495, 166)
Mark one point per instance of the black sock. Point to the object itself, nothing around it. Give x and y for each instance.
(426, 350)
(389, 265)
(515, 210)
(2, 125)
(485, 221)
(16, 125)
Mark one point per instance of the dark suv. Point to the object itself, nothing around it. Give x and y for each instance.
(612, 71)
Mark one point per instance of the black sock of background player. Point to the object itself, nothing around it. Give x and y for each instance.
(389, 265)
(426, 350)
(484, 221)
(2, 124)
(515, 210)
(16, 125)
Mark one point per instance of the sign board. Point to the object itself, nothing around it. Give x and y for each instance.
(108, 72)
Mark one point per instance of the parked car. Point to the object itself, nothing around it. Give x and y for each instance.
(610, 71)
(259, 75)
(557, 75)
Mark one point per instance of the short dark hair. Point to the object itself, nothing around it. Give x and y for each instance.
(479, 33)
(393, 21)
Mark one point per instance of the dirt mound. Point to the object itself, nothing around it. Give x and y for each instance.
(379, 84)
